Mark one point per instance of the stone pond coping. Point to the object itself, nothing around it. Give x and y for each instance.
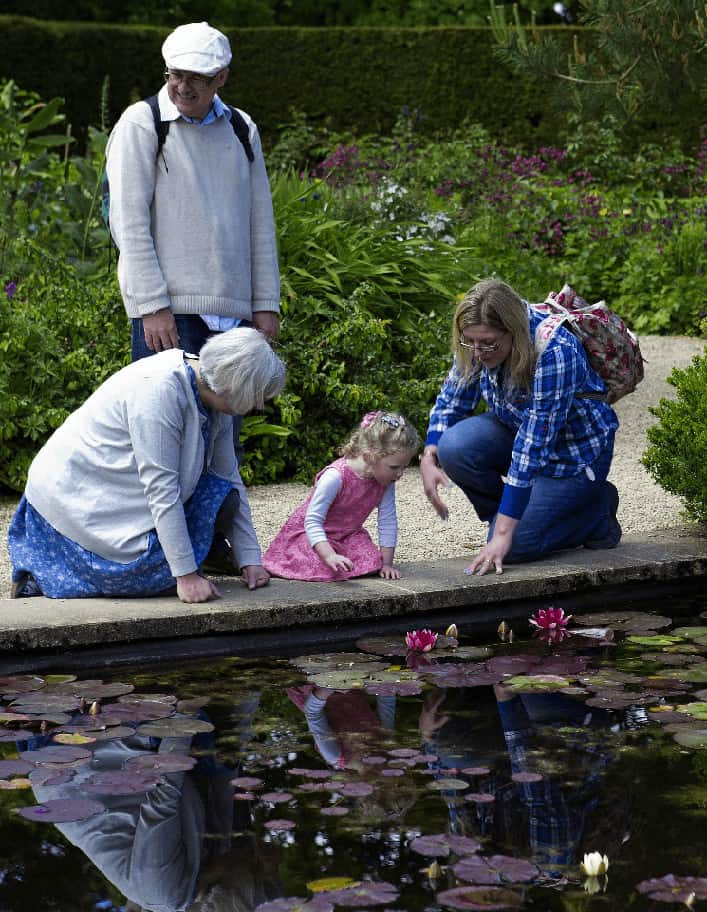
(287, 612)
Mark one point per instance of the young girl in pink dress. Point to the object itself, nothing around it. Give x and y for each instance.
(324, 538)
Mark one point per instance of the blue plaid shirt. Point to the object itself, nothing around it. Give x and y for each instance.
(557, 433)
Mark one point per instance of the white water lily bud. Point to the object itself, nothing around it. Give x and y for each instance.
(595, 864)
(503, 629)
(434, 872)
(452, 631)
(95, 708)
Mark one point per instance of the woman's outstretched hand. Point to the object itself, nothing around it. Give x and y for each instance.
(432, 477)
(195, 588)
(492, 555)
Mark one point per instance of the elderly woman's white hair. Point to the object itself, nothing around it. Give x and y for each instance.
(241, 366)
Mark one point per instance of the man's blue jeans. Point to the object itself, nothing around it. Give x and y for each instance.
(193, 332)
(561, 513)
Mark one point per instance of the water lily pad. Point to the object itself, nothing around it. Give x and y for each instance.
(13, 717)
(448, 785)
(691, 736)
(57, 753)
(10, 768)
(384, 646)
(18, 684)
(175, 727)
(495, 869)
(15, 734)
(115, 731)
(626, 621)
(244, 796)
(352, 789)
(149, 698)
(513, 665)
(121, 782)
(659, 639)
(327, 884)
(72, 738)
(479, 898)
(690, 633)
(367, 893)
(337, 810)
(39, 701)
(673, 889)
(61, 810)
(310, 773)
(526, 777)
(392, 773)
(476, 771)
(373, 760)
(247, 782)
(479, 797)
(136, 711)
(697, 710)
(90, 691)
(13, 785)
(695, 674)
(280, 824)
(296, 904)
(164, 762)
(276, 797)
(43, 775)
(390, 689)
(441, 845)
(536, 682)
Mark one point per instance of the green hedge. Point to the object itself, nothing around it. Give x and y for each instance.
(355, 78)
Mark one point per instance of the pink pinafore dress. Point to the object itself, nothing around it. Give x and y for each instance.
(291, 556)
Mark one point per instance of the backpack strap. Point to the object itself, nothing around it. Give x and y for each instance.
(240, 128)
(161, 126)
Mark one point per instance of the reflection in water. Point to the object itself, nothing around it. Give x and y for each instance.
(458, 771)
(184, 844)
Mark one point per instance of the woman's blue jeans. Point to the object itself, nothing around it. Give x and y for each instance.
(561, 513)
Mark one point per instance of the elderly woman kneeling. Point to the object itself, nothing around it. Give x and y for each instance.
(124, 497)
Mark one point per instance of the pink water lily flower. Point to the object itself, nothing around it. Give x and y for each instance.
(420, 640)
(550, 619)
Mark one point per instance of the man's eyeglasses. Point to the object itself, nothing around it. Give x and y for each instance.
(193, 80)
(484, 349)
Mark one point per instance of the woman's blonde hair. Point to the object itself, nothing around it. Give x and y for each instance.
(495, 304)
(381, 433)
(241, 366)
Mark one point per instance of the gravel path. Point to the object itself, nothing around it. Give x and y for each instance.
(644, 506)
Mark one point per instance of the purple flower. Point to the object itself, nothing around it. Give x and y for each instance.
(10, 290)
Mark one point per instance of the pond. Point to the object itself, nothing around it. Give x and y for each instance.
(476, 775)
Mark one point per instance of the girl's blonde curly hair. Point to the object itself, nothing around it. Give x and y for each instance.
(381, 433)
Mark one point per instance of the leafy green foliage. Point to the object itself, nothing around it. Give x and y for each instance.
(676, 457)
(637, 55)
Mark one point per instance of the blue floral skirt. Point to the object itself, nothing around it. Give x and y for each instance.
(63, 569)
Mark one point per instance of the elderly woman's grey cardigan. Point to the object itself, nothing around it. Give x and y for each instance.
(128, 459)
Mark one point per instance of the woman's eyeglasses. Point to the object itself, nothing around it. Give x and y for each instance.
(484, 349)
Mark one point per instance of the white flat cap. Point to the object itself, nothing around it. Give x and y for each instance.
(197, 48)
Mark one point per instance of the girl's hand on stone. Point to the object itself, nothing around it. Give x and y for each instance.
(387, 571)
(193, 588)
(338, 562)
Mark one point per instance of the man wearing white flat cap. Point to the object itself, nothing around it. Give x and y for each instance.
(191, 213)
(192, 219)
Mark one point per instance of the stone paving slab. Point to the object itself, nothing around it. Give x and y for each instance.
(40, 624)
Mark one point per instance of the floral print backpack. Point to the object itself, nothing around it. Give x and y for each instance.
(611, 347)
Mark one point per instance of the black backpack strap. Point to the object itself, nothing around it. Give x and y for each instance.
(161, 126)
(240, 128)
